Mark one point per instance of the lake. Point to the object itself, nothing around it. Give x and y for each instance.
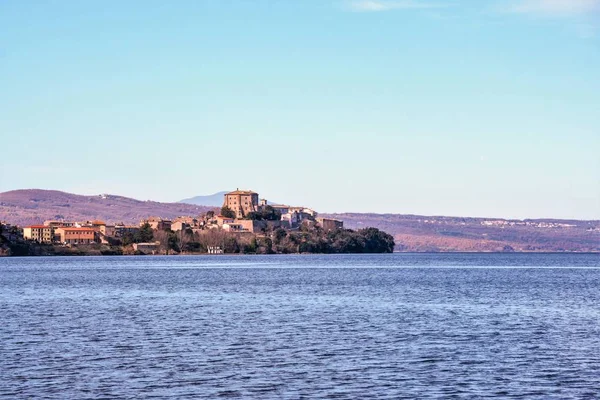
(301, 326)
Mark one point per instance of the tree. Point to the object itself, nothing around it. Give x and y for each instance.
(230, 245)
(251, 246)
(267, 213)
(194, 247)
(278, 235)
(173, 242)
(265, 246)
(377, 241)
(145, 234)
(127, 239)
(227, 212)
(186, 236)
(346, 241)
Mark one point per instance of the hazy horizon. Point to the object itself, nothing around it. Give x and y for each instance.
(470, 109)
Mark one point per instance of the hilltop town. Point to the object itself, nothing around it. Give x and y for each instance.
(244, 224)
(412, 233)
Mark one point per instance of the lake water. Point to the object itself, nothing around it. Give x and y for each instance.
(351, 326)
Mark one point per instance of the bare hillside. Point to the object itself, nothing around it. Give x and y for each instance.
(434, 234)
(32, 206)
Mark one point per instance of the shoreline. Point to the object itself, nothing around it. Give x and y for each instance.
(304, 254)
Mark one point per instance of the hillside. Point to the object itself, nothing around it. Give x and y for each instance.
(24, 207)
(434, 234)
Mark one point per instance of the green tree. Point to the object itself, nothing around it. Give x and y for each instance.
(127, 239)
(346, 241)
(227, 212)
(145, 234)
(265, 246)
(278, 235)
(376, 241)
(250, 247)
(194, 247)
(267, 213)
(173, 241)
(230, 245)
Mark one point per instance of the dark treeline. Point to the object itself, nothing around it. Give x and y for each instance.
(308, 239)
(281, 241)
(369, 240)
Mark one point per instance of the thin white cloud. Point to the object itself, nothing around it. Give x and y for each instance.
(581, 16)
(557, 8)
(386, 5)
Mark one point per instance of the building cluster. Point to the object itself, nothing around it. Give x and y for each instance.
(535, 224)
(67, 232)
(242, 203)
(9, 231)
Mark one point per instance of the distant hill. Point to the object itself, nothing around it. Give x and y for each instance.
(417, 233)
(24, 207)
(213, 200)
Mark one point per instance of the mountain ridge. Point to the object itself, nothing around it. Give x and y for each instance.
(212, 200)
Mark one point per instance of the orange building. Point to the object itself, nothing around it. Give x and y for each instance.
(241, 202)
(98, 225)
(76, 235)
(57, 224)
(39, 233)
(157, 223)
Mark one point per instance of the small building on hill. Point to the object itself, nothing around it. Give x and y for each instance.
(157, 223)
(222, 220)
(179, 226)
(72, 235)
(147, 248)
(120, 230)
(39, 233)
(243, 225)
(329, 224)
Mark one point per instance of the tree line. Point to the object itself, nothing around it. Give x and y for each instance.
(308, 239)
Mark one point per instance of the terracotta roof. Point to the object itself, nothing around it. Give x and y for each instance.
(98, 222)
(70, 228)
(241, 192)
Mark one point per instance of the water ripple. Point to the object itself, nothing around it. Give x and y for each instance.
(409, 328)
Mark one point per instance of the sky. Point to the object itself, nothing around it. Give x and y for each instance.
(476, 108)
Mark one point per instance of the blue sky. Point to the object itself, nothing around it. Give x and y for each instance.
(467, 108)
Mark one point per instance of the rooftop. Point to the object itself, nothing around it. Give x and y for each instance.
(241, 192)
